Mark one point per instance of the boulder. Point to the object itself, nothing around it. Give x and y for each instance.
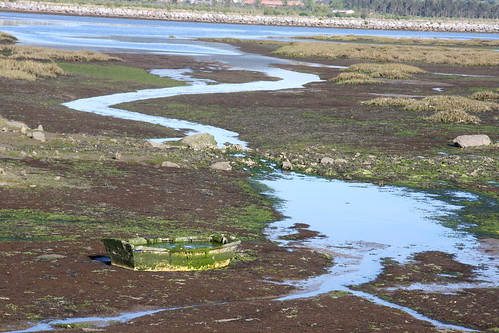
(200, 141)
(465, 141)
(286, 165)
(224, 166)
(40, 136)
(168, 164)
(17, 124)
(327, 160)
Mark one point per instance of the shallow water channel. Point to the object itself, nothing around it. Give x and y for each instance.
(360, 223)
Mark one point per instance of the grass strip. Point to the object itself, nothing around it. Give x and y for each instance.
(391, 53)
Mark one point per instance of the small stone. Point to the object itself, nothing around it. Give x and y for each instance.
(286, 165)
(224, 166)
(168, 164)
(465, 141)
(232, 147)
(327, 160)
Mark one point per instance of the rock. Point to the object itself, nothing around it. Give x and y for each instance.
(465, 141)
(49, 257)
(224, 166)
(327, 160)
(168, 164)
(233, 147)
(17, 124)
(155, 144)
(200, 141)
(286, 165)
(40, 136)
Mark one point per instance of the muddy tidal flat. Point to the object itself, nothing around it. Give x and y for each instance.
(95, 176)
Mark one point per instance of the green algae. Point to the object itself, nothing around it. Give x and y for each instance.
(118, 73)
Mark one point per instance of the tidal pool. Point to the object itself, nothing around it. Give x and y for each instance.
(361, 224)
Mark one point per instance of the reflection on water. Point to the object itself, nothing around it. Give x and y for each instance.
(363, 223)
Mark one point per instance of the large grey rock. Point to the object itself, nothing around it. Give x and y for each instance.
(224, 166)
(40, 136)
(200, 141)
(465, 141)
(17, 124)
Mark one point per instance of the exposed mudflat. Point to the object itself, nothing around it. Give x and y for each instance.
(111, 185)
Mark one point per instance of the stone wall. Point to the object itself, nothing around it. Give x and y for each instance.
(163, 14)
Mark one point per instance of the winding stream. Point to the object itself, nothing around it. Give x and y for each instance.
(360, 223)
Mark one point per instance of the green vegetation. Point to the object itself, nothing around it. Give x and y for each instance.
(475, 42)
(485, 95)
(391, 53)
(35, 225)
(386, 71)
(392, 8)
(455, 116)
(429, 8)
(368, 73)
(354, 78)
(6, 38)
(450, 109)
(29, 63)
(117, 73)
(27, 69)
(22, 52)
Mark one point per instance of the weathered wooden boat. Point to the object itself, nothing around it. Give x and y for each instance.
(172, 254)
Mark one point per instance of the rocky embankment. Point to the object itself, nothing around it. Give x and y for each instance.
(234, 18)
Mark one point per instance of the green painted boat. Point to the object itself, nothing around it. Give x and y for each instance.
(172, 254)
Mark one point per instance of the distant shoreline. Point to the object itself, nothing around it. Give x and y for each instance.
(464, 25)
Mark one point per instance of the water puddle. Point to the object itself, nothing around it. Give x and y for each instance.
(92, 321)
(185, 245)
(363, 223)
(463, 75)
